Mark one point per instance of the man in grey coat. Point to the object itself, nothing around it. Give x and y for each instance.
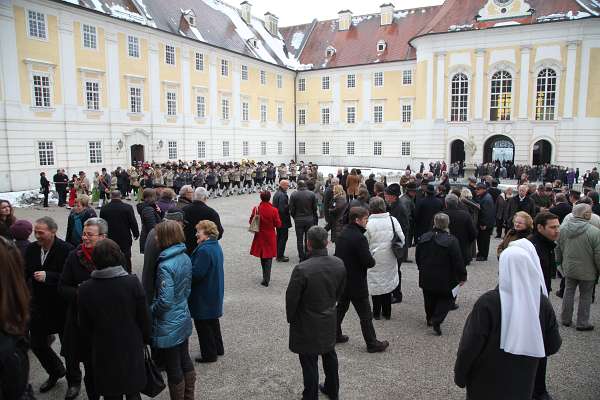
(303, 208)
(314, 289)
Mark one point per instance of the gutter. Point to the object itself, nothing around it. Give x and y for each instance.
(295, 117)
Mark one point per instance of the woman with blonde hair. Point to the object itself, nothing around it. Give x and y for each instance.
(79, 214)
(336, 211)
(522, 227)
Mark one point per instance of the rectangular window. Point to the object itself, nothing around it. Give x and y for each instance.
(351, 115)
(171, 103)
(41, 90)
(135, 99)
(279, 148)
(37, 24)
(325, 148)
(200, 107)
(244, 72)
(199, 62)
(406, 112)
(92, 95)
(170, 54)
(245, 148)
(95, 151)
(202, 149)
(279, 81)
(406, 148)
(302, 148)
(378, 114)
(378, 79)
(245, 112)
(263, 78)
(224, 68)
(263, 148)
(351, 81)
(301, 84)
(350, 148)
(377, 148)
(407, 77)
(263, 113)
(133, 46)
(46, 153)
(225, 148)
(301, 116)
(225, 109)
(279, 114)
(89, 36)
(172, 150)
(325, 83)
(325, 115)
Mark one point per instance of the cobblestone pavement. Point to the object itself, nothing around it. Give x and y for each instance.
(418, 365)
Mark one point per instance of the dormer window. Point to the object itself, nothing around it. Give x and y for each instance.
(381, 45)
(191, 21)
(189, 16)
(253, 42)
(330, 51)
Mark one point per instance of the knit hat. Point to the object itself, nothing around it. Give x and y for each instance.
(21, 229)
(393, 189)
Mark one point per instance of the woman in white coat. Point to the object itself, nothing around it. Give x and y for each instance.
(383, 277)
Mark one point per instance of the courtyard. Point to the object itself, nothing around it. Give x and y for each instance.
(417, 365)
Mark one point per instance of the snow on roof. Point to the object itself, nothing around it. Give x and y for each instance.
(297, 39)
(506, 23)
(119, 11)
(98, 5)
(562, 16)
(276, 44)
(455, 28)
(197, 33)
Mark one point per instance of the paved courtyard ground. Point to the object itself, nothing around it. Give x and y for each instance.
(418, 365)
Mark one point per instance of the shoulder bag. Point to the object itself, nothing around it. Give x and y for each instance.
(154, 380)
(255, 223)
(397, 246)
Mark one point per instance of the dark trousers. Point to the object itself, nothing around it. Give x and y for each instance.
(127, 254)
(302, 228)
(177, 362)
(382, 304)
(499, 226)
(51, 362)
(363, 309)
(397, 293)
(483, 242)
(539, 386)
(437, 306)
(62, 197)
(310, 374)
(209, 338)
(88, 379)
(135, 396)
(45, 199)
(282, 238)
(266, 264)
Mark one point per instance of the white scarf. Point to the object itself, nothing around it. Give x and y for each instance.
(521, 281)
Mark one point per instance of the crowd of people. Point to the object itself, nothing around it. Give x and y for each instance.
(53, 287)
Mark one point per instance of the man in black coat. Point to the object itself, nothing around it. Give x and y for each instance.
(353, 248)
(408, 201)
(546, 232)
(281, 203)
(303, 208)
(441, 269)
(521, 202)
(486, 221)
(328, 201)
(461, 226)
(44, 261)
(315, 287)
(61, 182)
(121, 224)
(562, 207)
(398, 211)
(425, 209)
(196, 212)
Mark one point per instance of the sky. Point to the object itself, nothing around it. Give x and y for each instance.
(304, 11)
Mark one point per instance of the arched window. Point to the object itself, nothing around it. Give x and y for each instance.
(459, 98)
(545, 99)
(501, 96)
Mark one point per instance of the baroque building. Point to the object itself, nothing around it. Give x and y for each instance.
(92, 83)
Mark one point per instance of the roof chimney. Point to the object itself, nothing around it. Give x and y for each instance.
(387, 13)
(271, 23)
(345, 20)
(246, 11)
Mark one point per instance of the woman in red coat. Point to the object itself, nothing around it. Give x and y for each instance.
(264, 244)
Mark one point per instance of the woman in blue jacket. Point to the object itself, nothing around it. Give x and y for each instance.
(171, 323)
(206, 299)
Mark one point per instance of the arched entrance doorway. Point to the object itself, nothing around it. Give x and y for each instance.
(542, 152)
(500, 148)
(457, 151)
(137, 154)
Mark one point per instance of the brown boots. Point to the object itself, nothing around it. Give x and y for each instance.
(177, 391)
(184, 390)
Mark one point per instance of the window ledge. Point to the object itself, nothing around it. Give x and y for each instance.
(200, 119)
(545, 122)
(42, 109)
(508, 122)
(93, 112)
(459, 122)
(135, 114)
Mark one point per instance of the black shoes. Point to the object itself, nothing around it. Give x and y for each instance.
(51, 382)
(453, 307)
(481, 259)
(437, 329)
(282, 259)
(265, 283)
(72, 392)
(397, 299)
(205, 360)
(342, 339)
(378, 347)
(376, 317)
(324, 391)
(560, 294)
(543, 396)
(585, 328)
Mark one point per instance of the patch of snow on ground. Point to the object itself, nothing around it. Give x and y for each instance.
(197, 33)
(28, 198)
(297, 39)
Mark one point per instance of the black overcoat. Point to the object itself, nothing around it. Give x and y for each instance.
(149, 217)
(463, 228)
(425, 209)
(114, 316)
(353, 248)
(121, 223)
(440, 262)
(545, 251)
(48, 308)
(488, 372)
(194, 213)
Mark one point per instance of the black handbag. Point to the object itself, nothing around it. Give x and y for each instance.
(397, 246)
(154, 380)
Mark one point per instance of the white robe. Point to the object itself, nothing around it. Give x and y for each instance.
(383, 277)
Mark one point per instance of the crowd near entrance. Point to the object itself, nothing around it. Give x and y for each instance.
(542, 152)
(457, 151)
(498, 147)
(137, 154)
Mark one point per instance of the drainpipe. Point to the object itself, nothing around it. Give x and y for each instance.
(295, 116)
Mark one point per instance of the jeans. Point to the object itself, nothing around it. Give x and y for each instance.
(382, 304)
(302, 228)
(310, 374)
(282, 238)
(209, 338)
(50, 361)
(586, 289)
(177, 362)
(437, 306)
(483, 242)
(363, 309)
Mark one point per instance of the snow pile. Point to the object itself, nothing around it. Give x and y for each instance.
(120, 12)
(98, 5)
(400, 14)
(507, 23)
(392, 175)
(197, 33)
(297, 39)
(456, 28)
(570, 15)
(358, 19)
(28, 198)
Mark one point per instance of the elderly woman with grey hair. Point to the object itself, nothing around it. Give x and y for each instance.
(441, 269)
(383, 277)
(186, 194)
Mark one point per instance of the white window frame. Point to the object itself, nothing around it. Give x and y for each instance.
(381, 118)
(89, 96)
(42, 75)
(172, 149)
(225, 109)
(351, 81)
(351, 121)
(45, 22)
(545, 110)
(407, 77)
(263, 112)
(95, 152)
(245, 111)
(171, 103)
(405, 149)
(201, 149)
(302, 148)
(279, 114)
(224, 68)
(89, 39)
(200, 106)
(279, 81)
(199, 61)
(302, 116)
(406, 112)
(170, 55)
(511, 72)
(325, 82)
(226, 150)
(263, 148)
(279, 148)
(45, 151)
(458, 97)
(325, 115)
(378, 148)
(263, 77)
(381, 45)
(133, 46)
(378, 79)
(350, 148)
(244, 72)
(245, 148)
(301, 84)
(325, 148)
